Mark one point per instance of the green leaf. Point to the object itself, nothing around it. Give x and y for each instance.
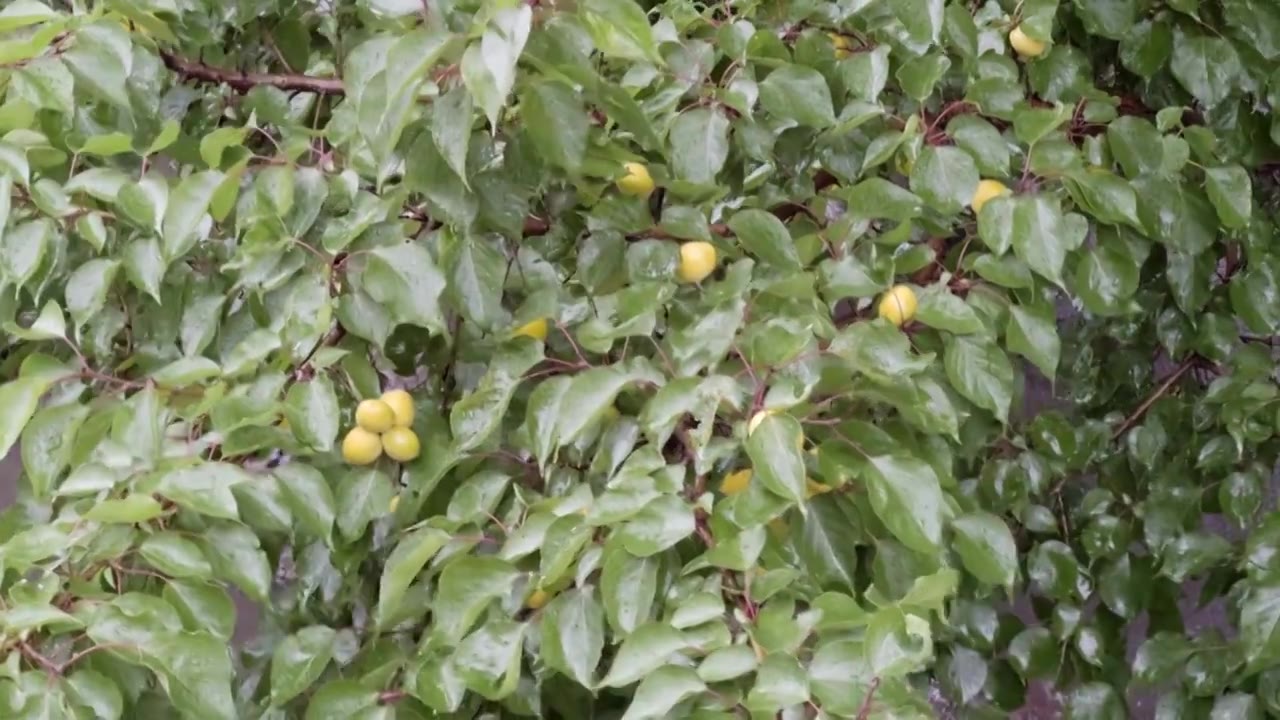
(488, 660)
(628, 586)
(986, 547)
(1033, 226)
(188, 205)
(780, 682)
(145, 266)
(943, 310)
(774, 449)
(1208, 67)
(362, 496)
(23, 247)
(91, 689)
(1034, 335)
(1105, 196)
(98, 62)
(238, 558)
(907, 497)
(798, 93)
(405, 279)
(47, 444)
(20, 398)
(451, 121)
(1107, 277)
(488, 66)
(1260, 625)
(1231, 193)
(922, 19)
(661, 524)
(313, 414)
(557, 121)
(174, 555)
(879, 198)
(981, 372)
(621, 29)
(826, 541)
(879, 350)
(643, 652)
(203, 607)
(661, 691)
(87, 289)
(309, 497)
(699, 145)
(764, 236)
(49, 325)
(573, 634)
(298, 662)
(403, 565)
(343, 699)
(467, 585)
(897, 644)
(727, 663)
(132, 509)
(476, 270)
(945, 178)
(204, 488)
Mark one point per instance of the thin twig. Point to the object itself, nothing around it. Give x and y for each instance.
(864, 711)
(243, 82)
(1160, 392)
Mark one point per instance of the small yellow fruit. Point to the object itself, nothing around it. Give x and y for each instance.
(637, 181)
(812, 487)
(736, 482)
(1025, 45)
(841, 45)
(375, 416)
(401, 444)
(898, 305)
(697, 260)
(537, 599)
(987, 191)
(361, 447)
(536, 329)
(401, 404)
(395, 503)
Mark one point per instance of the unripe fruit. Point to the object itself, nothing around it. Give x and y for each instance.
(812, 487)
(401, 444)
(987, 191)
(361, 447)
(537, 599)
(637, 181)
(401, 404)
(375, 416)
(841, 45)
(395, 503)
(536, 329)
(735, 483)
(898, 305)
(1025, 45)
(697, 261)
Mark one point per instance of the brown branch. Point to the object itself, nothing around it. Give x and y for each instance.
(1160, 392)
(243, 82)
(864, 711)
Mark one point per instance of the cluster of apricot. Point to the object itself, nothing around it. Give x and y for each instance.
(382, 425)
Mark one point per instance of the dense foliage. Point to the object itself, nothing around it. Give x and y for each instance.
(674, 448)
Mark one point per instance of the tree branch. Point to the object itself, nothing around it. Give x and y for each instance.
(1160, 392)
(243, 82)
